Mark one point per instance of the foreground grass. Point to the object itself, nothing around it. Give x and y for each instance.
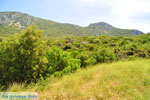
(129, 80)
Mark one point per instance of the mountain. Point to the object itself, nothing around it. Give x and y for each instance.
(105, 26)
(109, 29)
(11, 22)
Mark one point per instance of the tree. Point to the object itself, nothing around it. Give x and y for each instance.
(23, 57)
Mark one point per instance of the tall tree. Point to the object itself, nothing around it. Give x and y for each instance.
(23, 57)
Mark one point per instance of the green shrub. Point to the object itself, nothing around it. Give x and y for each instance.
(74, 53)
(87, 58)
(76, 44)
(91, 60)
(91, 47)
(105, 55)
(61, 61)
(83, 57)
(22, 58)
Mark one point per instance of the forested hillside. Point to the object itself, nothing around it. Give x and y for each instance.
(14, 21)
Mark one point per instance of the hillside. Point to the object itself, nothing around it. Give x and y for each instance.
(11, 22)
(124, 80)
(65, 68)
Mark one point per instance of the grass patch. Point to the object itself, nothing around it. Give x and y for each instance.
(124, 80)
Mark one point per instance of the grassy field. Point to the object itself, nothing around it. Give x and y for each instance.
(124, 80)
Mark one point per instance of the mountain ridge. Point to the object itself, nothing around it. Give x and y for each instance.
(20, 20)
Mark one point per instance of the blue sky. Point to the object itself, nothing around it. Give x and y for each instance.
(127, 14)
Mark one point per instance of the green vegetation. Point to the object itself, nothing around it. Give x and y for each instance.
(26, 57)
(123, 80)
(31, 62)
(59, 60)
(19, 21)
(6, 31)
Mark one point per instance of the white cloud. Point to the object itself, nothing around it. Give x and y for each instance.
(121, 12)
(124, 10)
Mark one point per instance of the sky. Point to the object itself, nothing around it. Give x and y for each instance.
(126, 14)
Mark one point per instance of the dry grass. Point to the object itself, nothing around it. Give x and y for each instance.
(129, 80)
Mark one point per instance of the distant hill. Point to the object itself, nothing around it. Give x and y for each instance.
(108, 29)
(11, 22)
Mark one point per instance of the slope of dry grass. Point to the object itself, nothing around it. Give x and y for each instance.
(129, 80)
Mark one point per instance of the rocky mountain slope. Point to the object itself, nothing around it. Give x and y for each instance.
(11, 22)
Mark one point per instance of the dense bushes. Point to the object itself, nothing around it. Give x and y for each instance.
(61, 61)
(99, 55)
(26, 57)
(105, 55)
(87, 58)
(29, 57)
(23, 57)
